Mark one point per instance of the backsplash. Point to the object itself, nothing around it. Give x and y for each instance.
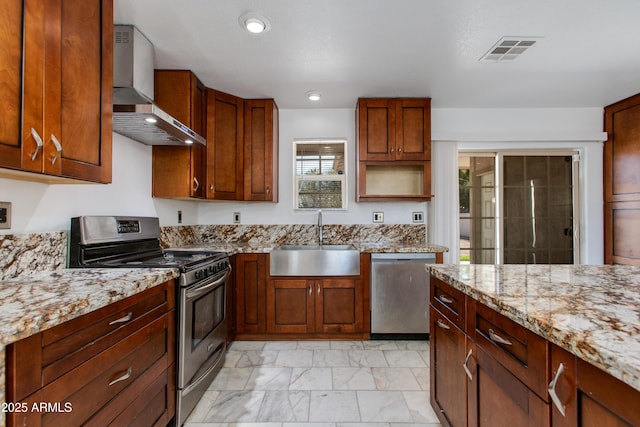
(175, 236)
(28, 253)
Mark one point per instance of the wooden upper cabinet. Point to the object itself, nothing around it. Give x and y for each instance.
(261, 150)
(180, 172)
(622, 182)
(11, 53)
(622, 151)
(66, 116)
(391, 129)
(225, 149)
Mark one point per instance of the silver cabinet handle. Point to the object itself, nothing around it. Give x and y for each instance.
(445, 299)
(465, 367)
(123, 319)
(310, 290)
(58, 148)
(39, 143)
(268, 190)
(122, 377)
(400, 150)
(442, 325)
(497, 338)
(392, 149)
(210, 187)
(318, 288)
(196, 184)
(552, 391)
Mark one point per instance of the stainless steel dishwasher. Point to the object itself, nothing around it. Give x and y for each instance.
(400, 295)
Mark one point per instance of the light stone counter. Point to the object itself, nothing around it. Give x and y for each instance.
(591, 311)
(32, 303)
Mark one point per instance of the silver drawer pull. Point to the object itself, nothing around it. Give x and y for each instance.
(122, 377)
(552, 391)
(39, 144)
(445, 299)
(196, 184)
(497, 338)
(442, 325)
(123, 319)
(465, 367)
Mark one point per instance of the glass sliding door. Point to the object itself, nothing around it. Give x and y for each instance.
(538, 209)
(518, 209)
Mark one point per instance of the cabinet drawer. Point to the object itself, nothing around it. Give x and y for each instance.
(448, 301)
(90, 386)
(520, 351)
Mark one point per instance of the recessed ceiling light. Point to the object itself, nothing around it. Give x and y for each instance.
(254, 23)
(313, 95)
(509, 48)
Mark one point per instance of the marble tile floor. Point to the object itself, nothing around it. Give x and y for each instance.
(320, 384)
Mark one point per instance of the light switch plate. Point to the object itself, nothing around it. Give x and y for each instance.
(378, 217)
(5, 215)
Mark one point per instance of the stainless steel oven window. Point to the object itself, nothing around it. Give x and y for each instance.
(208, 313)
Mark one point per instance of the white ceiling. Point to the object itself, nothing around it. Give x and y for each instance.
(589, 54)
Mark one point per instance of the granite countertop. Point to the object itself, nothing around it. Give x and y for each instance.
(364, 247)
(592, 311)
(32, 303)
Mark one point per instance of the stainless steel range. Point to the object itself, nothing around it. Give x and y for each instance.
(118, 241)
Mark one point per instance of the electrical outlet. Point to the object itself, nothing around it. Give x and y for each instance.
(236, 217)
(418, 217)
(378, 217)
(179, 217)
(5, 215)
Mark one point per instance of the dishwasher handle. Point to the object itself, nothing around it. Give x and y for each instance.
(427, 258)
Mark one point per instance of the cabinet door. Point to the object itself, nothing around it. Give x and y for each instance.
(376, 129)
(81, 87)
(180, 171)
(496, 398)
(11, 30)
(261, 150)
(251, 293)
(339, 306)
(224, 146)
(448, 379)
(603, 400)
(290, 306)
(413, 129)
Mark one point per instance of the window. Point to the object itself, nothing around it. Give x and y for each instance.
(320, 174)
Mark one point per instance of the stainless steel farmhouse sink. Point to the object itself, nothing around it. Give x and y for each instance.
(315, 260)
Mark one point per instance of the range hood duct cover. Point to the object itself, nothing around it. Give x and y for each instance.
(134, 114)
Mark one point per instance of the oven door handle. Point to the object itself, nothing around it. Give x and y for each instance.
(203, 289)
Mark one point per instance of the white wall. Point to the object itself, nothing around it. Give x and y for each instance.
(41, 207)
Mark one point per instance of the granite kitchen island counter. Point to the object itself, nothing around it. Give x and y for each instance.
(592, 311)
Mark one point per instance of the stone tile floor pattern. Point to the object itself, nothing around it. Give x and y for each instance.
(320, 384)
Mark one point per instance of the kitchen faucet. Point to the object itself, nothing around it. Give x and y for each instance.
(320, 237)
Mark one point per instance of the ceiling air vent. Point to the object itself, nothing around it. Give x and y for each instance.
(509, 48)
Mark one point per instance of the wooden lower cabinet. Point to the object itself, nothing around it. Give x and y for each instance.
(588, 396)
(299, 307)
(497, 398)
(324, 306)
(114, 366)
(250, 290)
(448, 378)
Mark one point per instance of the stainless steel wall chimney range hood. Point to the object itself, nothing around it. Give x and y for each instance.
(134, 114)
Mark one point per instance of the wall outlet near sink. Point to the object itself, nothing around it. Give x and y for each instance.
(236, 217)
(417, 216)
(378, 217)
(5, 215)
